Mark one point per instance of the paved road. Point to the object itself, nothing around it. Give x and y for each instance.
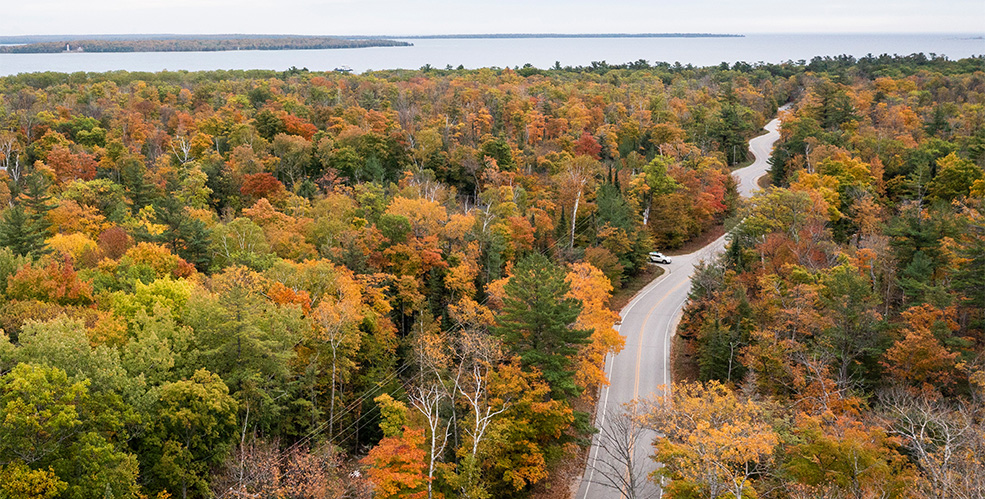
(761, 147)
(649, 321)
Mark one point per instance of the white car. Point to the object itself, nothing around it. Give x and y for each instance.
(656, 257)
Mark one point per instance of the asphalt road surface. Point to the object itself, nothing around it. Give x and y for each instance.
(642, 368)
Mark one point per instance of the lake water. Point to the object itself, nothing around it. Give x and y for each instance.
(503, 52)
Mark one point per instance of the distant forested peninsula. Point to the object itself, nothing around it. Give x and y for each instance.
(201, 44)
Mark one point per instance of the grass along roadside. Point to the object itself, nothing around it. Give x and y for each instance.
(622, 296)
(742, 164)
(699, 241)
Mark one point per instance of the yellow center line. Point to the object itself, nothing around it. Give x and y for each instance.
(639, 348)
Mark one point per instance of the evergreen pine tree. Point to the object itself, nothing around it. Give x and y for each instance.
(561, 226)
(15, 232)
(132, 178)
(731, 128)
(186, 236)
(35, 199)
(835, 106)
(969, 278)
(494, 250)
(612, 208)
(536, 323)
(24, 226)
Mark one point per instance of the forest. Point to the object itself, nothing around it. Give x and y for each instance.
(397, 284)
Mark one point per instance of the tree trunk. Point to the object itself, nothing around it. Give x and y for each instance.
(646, 210)
(574, 218)
(331, 405)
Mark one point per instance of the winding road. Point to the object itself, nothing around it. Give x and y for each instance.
(642, 368)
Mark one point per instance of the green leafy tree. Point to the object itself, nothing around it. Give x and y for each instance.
(248, 341)
(396, 228)
(268, 124)
(295, 155)
(954, 178)
(40, 410)
(193, 427)
(55, 437)
(63, 343)
(10, 263)
(241, 242)
(652, 183)
(102, 193)
(157, 341)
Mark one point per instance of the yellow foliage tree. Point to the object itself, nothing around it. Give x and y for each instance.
(77, 245)
(426, 217)
(712, 442)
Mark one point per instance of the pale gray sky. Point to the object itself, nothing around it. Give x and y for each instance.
(406, 17)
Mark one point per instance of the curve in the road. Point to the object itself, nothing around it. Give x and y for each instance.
(649, 321)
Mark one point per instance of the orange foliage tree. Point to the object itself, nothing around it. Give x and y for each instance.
(397, 466)
(53, 281)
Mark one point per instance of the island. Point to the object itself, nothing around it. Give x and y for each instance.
(203, 44)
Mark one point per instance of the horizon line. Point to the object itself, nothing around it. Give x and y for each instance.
(431, 35)
(73, 37)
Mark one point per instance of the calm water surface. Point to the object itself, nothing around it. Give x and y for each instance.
(541, 52)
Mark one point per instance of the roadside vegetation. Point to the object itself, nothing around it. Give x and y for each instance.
(840, 336)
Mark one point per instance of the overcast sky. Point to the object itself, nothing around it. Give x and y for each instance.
(413, 17)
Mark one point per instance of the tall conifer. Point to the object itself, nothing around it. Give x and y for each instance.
(537, 323)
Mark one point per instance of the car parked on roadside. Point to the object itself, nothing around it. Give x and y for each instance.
(657, 257)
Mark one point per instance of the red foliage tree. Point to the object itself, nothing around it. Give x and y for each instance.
(70, 166)
(114, 242)
(261, 185)
(297, 126)
(586, 145)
